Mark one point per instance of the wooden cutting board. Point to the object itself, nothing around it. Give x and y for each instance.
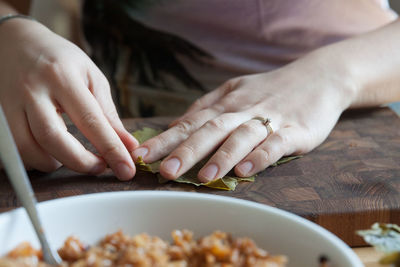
(349, 182)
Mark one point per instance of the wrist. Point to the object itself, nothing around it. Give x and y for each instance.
(334, 76)
(369, 64)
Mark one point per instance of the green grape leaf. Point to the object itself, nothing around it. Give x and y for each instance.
(145, 134)
(190, 177)
(285, 160)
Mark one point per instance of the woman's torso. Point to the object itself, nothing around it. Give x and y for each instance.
(236, 37)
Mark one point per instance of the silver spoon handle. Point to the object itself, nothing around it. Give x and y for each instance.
(16, 173)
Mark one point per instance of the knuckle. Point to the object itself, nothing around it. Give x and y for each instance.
(112, 115)
(231, 102)
(185, 126)
(225, 154)
(90, 121)
(239, 81)
(227, 86)
(186, 151)
(217, 124)
(231, 84)
(282, 138)
(218, 108)
(158, 141)
(56, 69)
(47, 134)
(263, 154)
(112, 151)
(198, 103)
(161, 142)
(160, 145)
(249, 128)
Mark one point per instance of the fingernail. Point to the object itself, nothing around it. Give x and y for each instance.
(209, 172)
(245, 167)
(123, 171)
(140, 152)
(98, 168)
(172, 166)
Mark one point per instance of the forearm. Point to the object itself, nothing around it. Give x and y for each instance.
(14, 6)
(369, 64)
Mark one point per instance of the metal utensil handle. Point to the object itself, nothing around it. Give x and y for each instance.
(16, 173)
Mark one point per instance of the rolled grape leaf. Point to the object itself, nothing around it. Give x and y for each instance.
(386, 238)
(228, 183)
(148, 167)
(225, 183)
(190, 177)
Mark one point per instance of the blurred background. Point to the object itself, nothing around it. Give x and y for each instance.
(62, 16)
(395, 5)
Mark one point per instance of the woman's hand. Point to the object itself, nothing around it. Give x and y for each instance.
(42, 76)
(303, 101)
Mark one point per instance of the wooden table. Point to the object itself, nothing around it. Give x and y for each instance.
(349, 182)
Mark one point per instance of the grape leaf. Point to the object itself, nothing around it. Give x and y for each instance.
(190, 177)
(285, 160)
(145, 134)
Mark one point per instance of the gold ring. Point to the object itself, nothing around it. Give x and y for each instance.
(266, 122)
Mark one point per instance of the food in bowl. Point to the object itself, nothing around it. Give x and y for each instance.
(117, 249)
(91, 216)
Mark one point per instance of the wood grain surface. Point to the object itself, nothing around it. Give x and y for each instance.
(349, 182)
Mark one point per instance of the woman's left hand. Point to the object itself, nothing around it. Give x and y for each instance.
(303, 100)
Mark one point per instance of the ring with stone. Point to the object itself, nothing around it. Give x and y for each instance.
(266, 122)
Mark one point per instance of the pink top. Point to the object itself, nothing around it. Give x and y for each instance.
(250, 36)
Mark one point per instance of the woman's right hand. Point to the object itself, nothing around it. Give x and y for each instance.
(42, 76)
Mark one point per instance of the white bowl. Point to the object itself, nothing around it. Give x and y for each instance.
(92, 216)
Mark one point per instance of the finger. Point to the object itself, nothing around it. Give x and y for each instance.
(161, 145)
(51, 134)
(200, 144)
(239, 144)
(206, 101)
(33, 156)
(278, 144)
(100, 88)
(85, 112)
